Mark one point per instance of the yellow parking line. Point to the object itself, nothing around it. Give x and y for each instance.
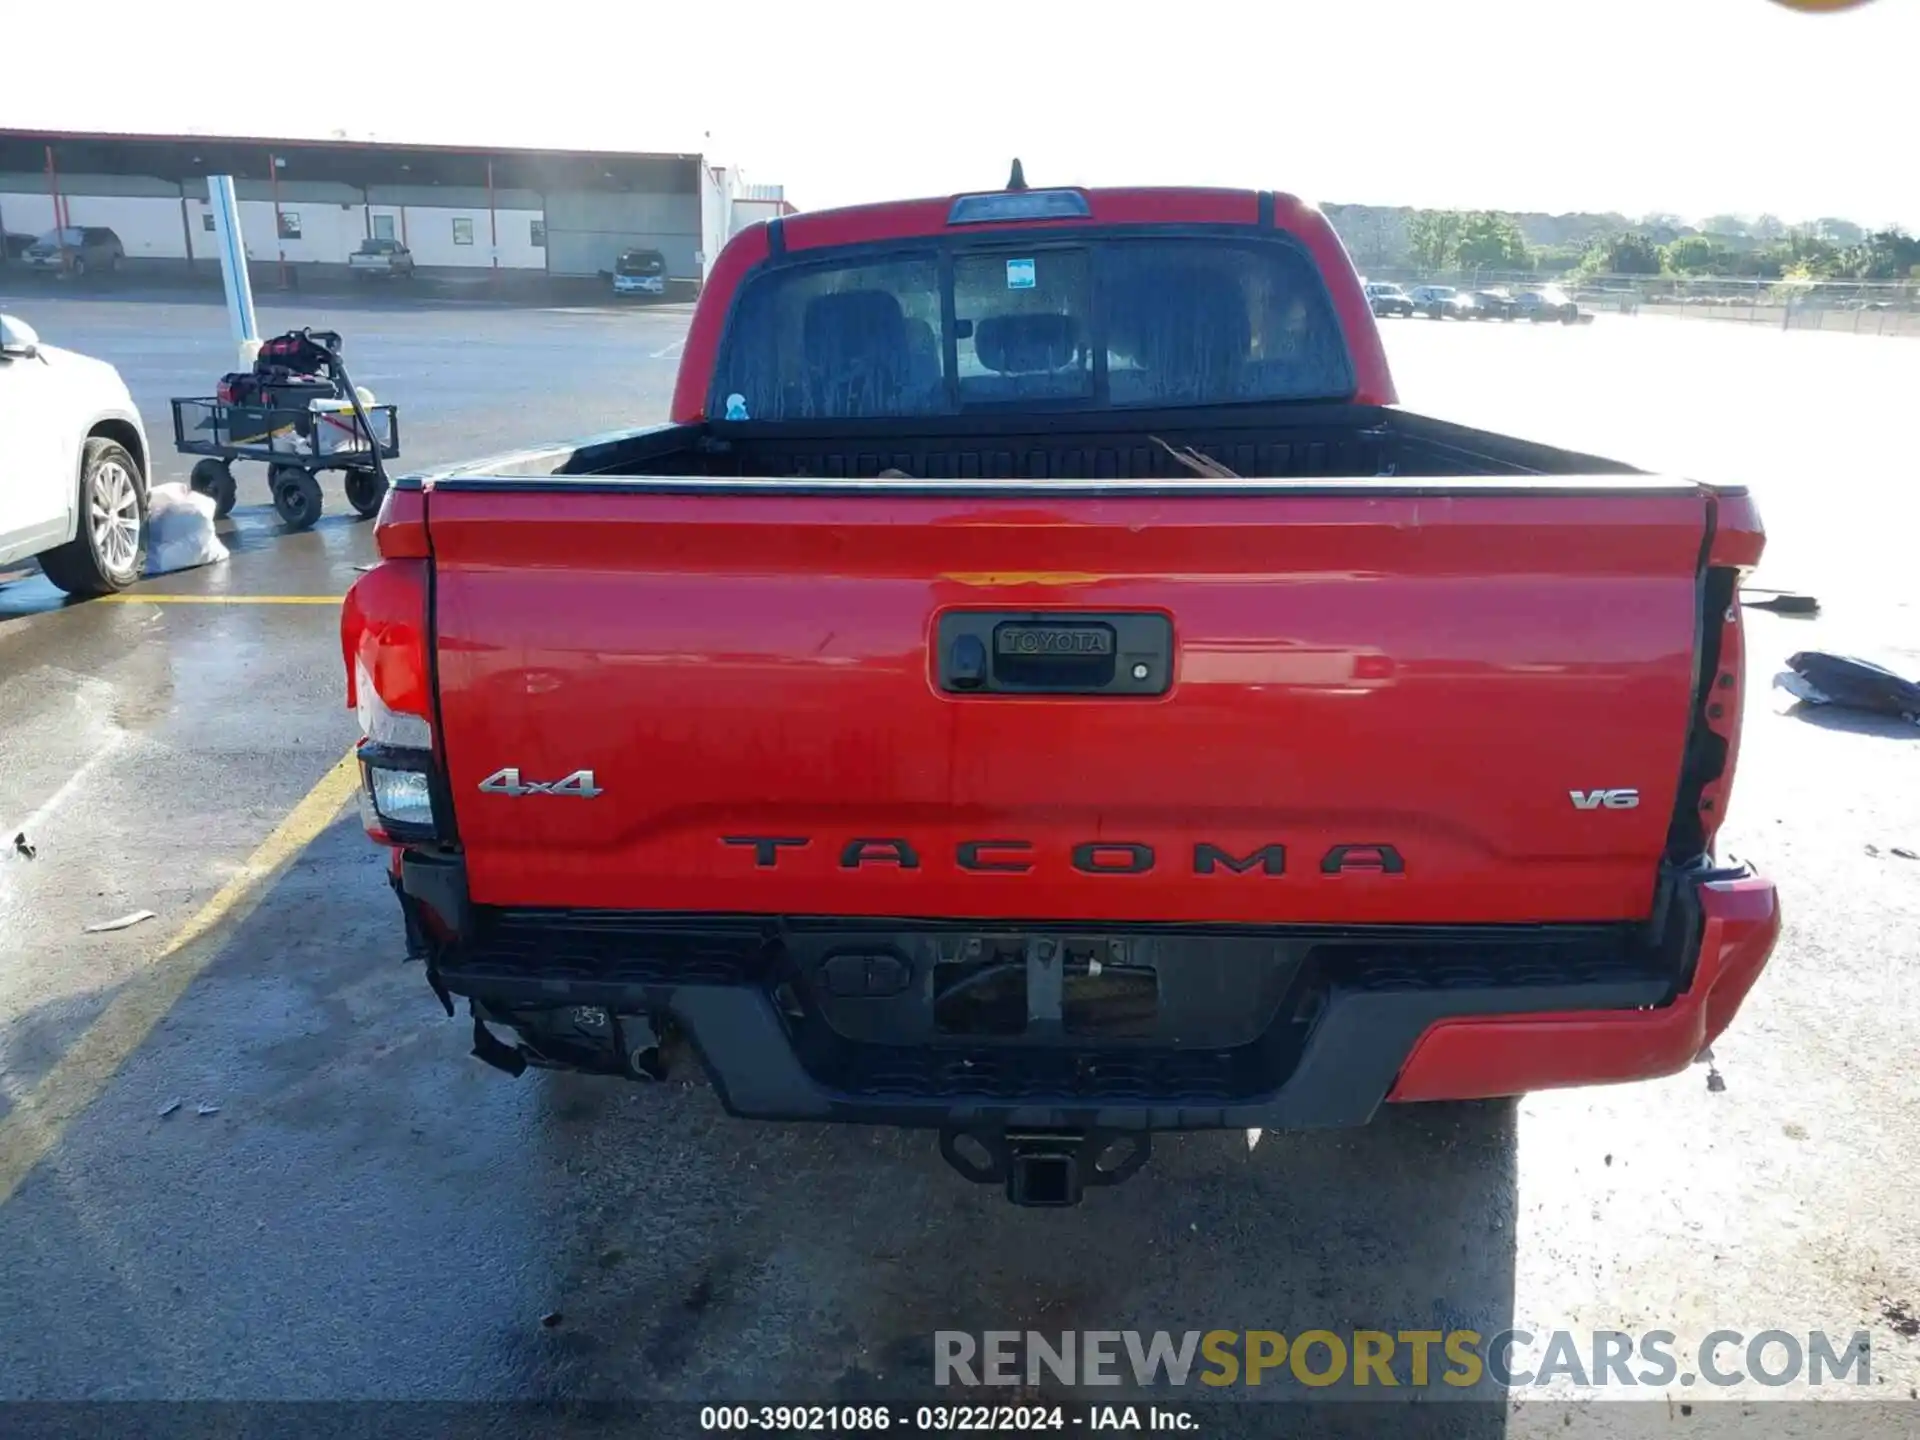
(30, 1131)
(126, 599)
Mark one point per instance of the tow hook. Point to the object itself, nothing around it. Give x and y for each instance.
(1046, 1167)
(643, 1044)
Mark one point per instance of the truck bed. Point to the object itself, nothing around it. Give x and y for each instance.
(1286, 443)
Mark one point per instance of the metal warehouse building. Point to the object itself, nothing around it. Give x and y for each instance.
(309, 203)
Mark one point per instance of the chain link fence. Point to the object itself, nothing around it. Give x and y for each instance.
(1860, 307)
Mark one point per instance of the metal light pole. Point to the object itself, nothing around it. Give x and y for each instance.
(233, 266)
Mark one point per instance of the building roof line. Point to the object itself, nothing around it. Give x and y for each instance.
(110, 137)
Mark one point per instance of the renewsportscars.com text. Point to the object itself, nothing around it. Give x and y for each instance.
(1381, 1359)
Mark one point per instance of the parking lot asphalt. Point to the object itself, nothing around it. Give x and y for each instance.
(365, 1212)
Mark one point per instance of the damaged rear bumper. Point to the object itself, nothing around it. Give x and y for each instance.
(976, 1027)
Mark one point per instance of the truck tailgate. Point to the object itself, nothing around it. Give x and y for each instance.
(1441, 703)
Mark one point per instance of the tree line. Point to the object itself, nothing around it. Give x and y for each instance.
(1449, 241)
(1883, 255)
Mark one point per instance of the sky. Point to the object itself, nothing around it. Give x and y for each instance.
(1693, 107)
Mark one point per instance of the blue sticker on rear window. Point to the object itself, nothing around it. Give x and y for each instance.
(1020, 275)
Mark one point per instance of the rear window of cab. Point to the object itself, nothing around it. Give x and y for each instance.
(1124, 322)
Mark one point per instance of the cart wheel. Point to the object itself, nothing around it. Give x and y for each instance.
(365, 491)
(215, 478)
(296, 495)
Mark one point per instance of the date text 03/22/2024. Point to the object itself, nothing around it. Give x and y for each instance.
(941, 1419)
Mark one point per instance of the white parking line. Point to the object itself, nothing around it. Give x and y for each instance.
(671, 352)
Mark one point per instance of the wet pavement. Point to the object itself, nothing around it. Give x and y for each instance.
(367, 1212)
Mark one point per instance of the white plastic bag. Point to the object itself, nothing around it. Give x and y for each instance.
(180, 530)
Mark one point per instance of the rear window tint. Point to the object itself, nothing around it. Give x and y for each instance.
(859, 340)
(1121, 322)
(1023, 325)
(1203, 323)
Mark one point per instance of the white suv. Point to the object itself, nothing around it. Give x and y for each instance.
(73, 466)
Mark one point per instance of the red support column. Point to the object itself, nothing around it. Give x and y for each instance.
(59, 211)
(493, 224)
(273, 178)
(186, 228)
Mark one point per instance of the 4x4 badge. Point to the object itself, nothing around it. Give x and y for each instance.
(508, 782)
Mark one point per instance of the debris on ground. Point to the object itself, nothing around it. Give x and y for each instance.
(1906, 854)
(1716, 1082)
(168, 1108)
(121, 923)
(21, 847)
(180, 530)
(204, 1109)
(1781, 602)
(1818, 678)
(551, 1319)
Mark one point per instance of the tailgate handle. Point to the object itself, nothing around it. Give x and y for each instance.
(998, 652)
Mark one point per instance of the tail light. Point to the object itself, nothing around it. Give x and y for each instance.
(1734, 545)
(383, 637)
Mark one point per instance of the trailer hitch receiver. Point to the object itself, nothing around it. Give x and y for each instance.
(1045, 1167)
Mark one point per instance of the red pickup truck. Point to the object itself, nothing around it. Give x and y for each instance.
(1041, 687)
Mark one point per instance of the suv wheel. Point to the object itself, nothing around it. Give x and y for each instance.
(110, 549)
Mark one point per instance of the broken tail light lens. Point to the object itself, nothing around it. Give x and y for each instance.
(383, 634)
(380, 722)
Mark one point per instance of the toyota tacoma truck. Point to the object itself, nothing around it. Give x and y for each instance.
(1042, 687)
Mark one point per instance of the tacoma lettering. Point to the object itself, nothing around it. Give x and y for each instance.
(1362, 860)
(1007, 856)
(1271, 859)
(766, 848)
(1107, 857)
(879, 852)
(975, 855)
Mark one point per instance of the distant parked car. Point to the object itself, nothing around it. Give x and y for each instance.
(1388, 299)
(1433, 301)
(1548, 303)
(88, 247)
(640, 272)
(1494, 304)
(382, 259)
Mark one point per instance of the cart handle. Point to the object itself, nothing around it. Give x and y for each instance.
(366, 425)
